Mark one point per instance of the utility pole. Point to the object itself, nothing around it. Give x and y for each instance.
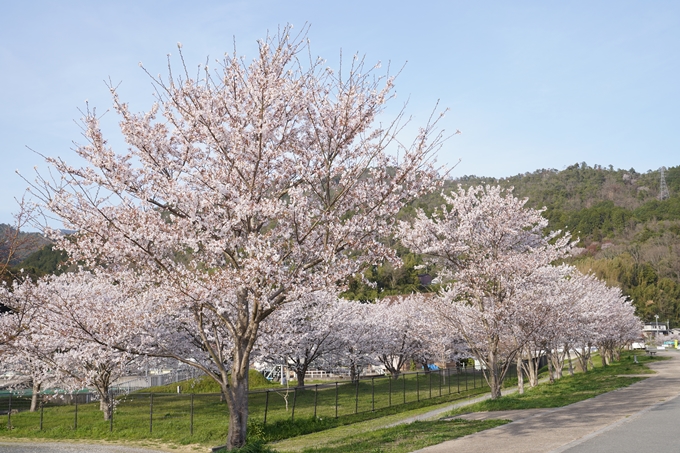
(663, 188)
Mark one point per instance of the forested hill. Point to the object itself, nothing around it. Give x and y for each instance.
(629, 237)
(597, 202)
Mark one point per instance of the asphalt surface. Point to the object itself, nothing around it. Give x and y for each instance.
(638, 418)
(655, 429)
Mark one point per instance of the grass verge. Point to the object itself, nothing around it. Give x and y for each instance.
(405, 438)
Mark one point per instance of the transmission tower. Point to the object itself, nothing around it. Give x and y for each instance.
(663, 190)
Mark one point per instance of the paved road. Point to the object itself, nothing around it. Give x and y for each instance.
(641, 415)
(58, 447)
(655, 429)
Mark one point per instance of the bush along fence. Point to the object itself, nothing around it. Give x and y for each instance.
(187, 412)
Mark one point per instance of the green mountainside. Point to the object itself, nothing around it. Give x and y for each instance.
(626, 236)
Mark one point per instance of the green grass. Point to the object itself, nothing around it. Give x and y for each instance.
(405, 438)
(570, 389)
(171, 411)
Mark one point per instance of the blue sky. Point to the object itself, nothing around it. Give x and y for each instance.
(531, 84)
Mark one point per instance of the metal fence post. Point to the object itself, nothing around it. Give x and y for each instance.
(9, 411)
(389, 393)
(417, 387)
(151, 413)
(110, 411)
(336, 399)
(466, 379)
(266, 406)
(430, 374)
(292, 414)
(404, 385)
(372, 394)
(356, 397)
(316, 394)
(191, 417)
(440, 382)
(474, 376)
(42, 404)
(75, 416)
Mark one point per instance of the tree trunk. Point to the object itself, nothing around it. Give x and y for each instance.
(34, 396)
(237, 400)
(532, 366)
(300, 373)
(237, 388)
(106, 404)
(493, 376)
(520, 375)
(393, 366)
(571, 366)
(558, 363)
(354, 372)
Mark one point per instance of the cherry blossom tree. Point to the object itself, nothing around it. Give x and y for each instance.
(541, 333)
(242, 189)
(61, 341)
(398, 328)
(306, 333)
(405, 330)
(359, 345)
(490, 249)
(20, 349)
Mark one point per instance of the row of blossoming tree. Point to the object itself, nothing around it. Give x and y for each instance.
(246, 198)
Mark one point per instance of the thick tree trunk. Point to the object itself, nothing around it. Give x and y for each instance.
(102, 385)
(106, 404)
(34, 396)
(493, 373)
(237, 389)
(237, 399)
(300, 373)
